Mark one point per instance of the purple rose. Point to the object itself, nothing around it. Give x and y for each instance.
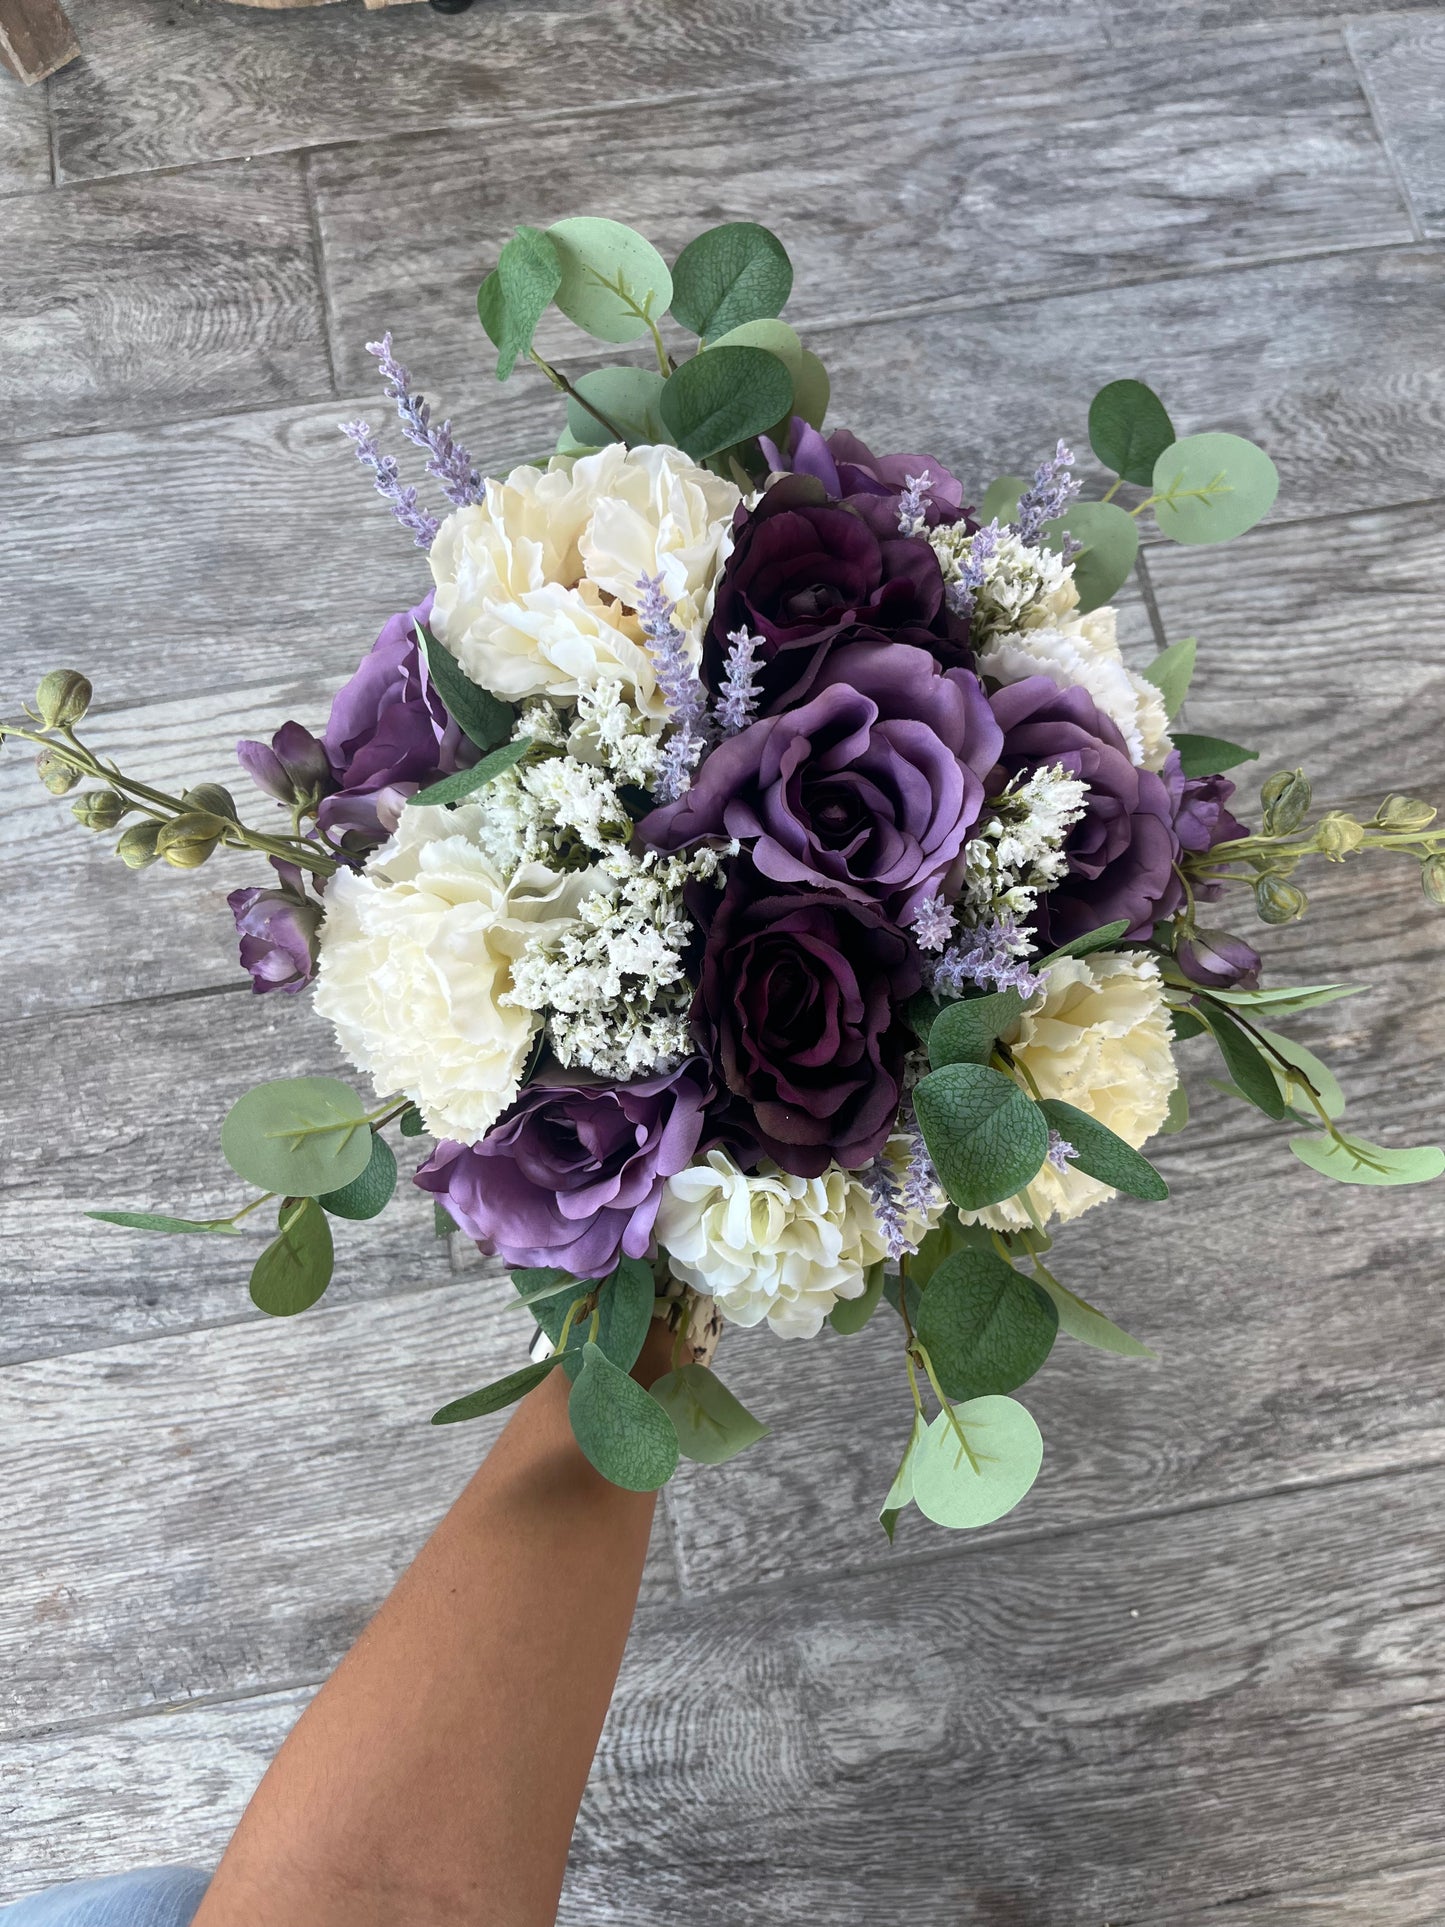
(1218, 960)
(798, 1007)
(388, 736)
(278, 930)
(293, 768)
(870, 787)
(806, 573)
(847, 467)
(1123, 851)
(572, 1176)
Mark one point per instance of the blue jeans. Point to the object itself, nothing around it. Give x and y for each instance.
(154, 1897)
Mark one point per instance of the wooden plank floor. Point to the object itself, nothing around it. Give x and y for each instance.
(1199, 1677)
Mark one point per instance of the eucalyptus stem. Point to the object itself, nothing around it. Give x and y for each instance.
(921, 1352)
(560, 381)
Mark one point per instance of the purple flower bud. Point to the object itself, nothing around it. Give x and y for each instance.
(1218, 960)
(278, 930)
(294, 769)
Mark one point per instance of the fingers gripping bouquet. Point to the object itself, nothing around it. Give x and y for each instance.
(759, 871)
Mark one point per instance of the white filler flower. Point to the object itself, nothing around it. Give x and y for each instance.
(770, 1246)
(1097, 1038)
(416, 962)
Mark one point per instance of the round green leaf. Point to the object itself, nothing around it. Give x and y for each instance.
(496, 1396)
(776, 336)
(366, 1196)
(1129, 429)
(1171, 672)
(712, 1426)
(955, 1490)
(624, 1311)
(298, 1135)
(966, 1032)
(1100, 1153)
(156, 1221)
(987, 1138)
(1212, 488)
(628, 397)
(1357, 1161)
(1001, 499)
(1110, 536)
(986, 1328)
(621, 1430)
(612, 280)
(723, 396)
(812, 390)
(293, 1271)
(850, 1315)
(731, 274)
(514, 298)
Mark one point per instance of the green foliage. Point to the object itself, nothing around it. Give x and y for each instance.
(1284, 1000)
(539, 1283)
(1129, 429)
(1172, 671)
(411, 1122)
(624, 1311)
(1100, 1153)
(464, 782)
(155, 1221)
(301, 1136)
(623, 1431)
(630, 398)
(1090, 1327)
(711, 1425)
(722, 397)
(1209, 755)
(1001, 499)
(900, 1493)
(295, 1268)
(443, 1224)
(1310, 1070)
(966, 1488)
(947, 1236)
(479, 715)
(1110, 538)
(1178, 1115)
(1246, 1064)
(986, 1138)
(1210, 488)
(1186, 1024)
(496, 1396)
(514, 296)
(812, 390)
(986, 1328)
(730, 275)
(366, 1196)
(850, 1315)
(613, 281)
(1354, 1160)
(1100, 939)
(966, 1032)
(776, 336)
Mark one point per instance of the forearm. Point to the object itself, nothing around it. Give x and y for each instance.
(436, 1777)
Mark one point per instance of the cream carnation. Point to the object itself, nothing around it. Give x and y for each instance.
(416, 962)
(655, 513)
(770, 1246)
(1083, 652)
(1098, 1038)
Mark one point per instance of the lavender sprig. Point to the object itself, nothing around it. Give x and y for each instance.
(681, 688)
(881, 1185)
(1048, 495)
(738, 697)
(933, 923)
(447, 461)
(985, 958)
(400, 500)
(921, 1187)
(913, 504)
(963, 594)
(1060, 1151)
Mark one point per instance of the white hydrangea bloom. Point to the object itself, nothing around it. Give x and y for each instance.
(769, 1246)
(1083, 652)
(1097, 1037)
(417, 955)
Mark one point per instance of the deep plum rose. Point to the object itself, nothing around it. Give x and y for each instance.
(1218, 960)
(798, 1008)
(278, 930)
(1123, 851)
(871, 786)
(847, 467)
(572, 1176)
(807, 574)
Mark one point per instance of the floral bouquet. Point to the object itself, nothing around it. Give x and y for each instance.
(760, 872)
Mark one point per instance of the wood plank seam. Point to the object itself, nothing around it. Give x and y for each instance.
(1391, 158)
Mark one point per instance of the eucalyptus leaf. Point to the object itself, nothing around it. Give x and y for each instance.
(628, 397)
(1001, 499)
(482, 717)
(1129, 429)
(1109, 537)
(1185, 1024)
(966, 1488)
(537, 1284)
(946, 1237)
(1210, 488)
(1357, 1161)
(1178, 1114)
(986, 1327)
(900, 1493)
(1309, 1069)
(155, 1221)
(613, 281)
(1246, 1064)
(723, 396)
(776, 336)
(1172, 671)
(850, 1315)
(515, 296)
(1283, 1000)
(1100, 1153)
(986, 1137)
(812, 390)
(730, 275)
(1100, 939)
(300, 1136)
(496, 1396)
(623, 1431)
(966, 1032)
(624, 1311)
(465, 782)
(443, 1224)
(368, 1195)
(411, 1122)
(1090, 1327)
(1210, 755)
(711, 1425)
(295, 1268)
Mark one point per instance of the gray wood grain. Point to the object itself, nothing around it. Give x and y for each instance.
(171, 295)
(1246, 150)
(24, 138)
(164, 88)
(1401, 1897)
(1401, 59)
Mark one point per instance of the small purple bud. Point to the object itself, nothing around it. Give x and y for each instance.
(1218, 960)
(293, 769)
(278, 930)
